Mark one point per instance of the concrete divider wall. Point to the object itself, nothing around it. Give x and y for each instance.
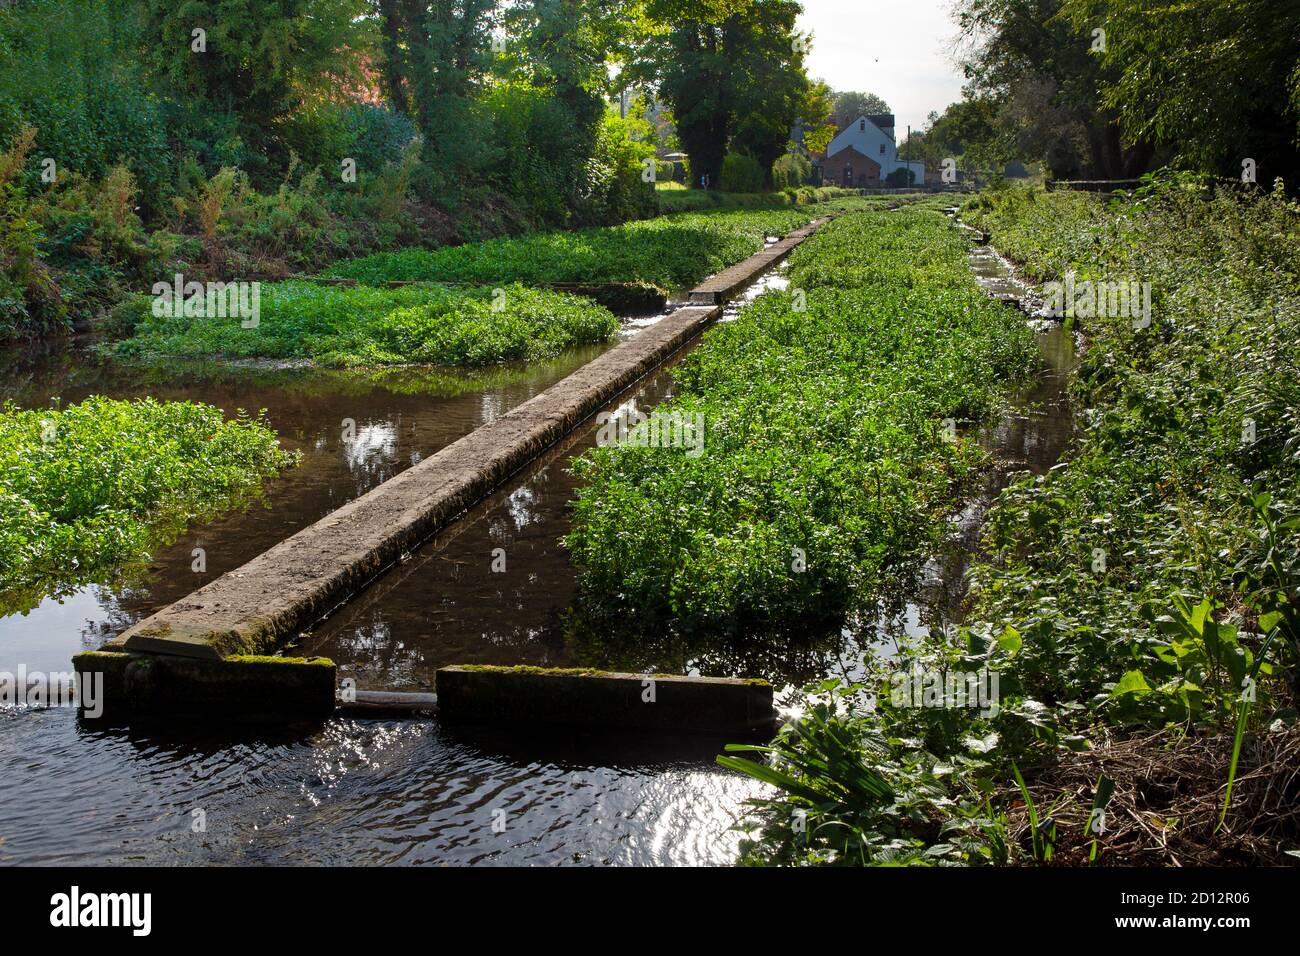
(603, 699)
(238, 688)
(252, 609)
(256, 607)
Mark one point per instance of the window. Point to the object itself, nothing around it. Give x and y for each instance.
(882, 149)
(862, 125)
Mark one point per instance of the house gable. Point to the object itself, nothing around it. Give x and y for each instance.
(869, 140)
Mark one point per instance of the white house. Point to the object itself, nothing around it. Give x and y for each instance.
(864, 154)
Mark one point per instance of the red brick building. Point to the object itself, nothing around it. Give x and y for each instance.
(848, 167)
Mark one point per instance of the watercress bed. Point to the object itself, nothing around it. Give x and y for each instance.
(88, 489)
(829, 460)
(670, 252)
(336, 326)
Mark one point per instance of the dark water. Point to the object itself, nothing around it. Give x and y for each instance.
(406, 792)
(356, 792)
(398, 416)
(1033, 436)
(348, 791)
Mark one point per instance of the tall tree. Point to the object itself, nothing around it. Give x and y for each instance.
(773, 91)
(254, 59)
(849, 105)
(732, 71)
(557, 64)
(1218, 81)
(392, 76)
(966, 130)
(1047, 76)
(565, 47)
(688, 58)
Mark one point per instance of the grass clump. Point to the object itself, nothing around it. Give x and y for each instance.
(91, 488)
(337, 326)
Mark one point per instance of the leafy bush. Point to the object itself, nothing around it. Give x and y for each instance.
(851, 794)
(30, 302)
(1179, 528)
(615, 191)
(89, 488)
(71, 72)
(741, 174)
(791, 171)
(323, 134)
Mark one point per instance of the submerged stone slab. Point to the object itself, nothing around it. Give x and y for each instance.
(604, 700)
(239, 688)
(381, 703)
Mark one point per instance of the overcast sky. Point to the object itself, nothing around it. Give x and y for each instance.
(897, 49)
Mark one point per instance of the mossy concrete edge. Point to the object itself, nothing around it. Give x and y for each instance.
(583, 697)
(242, 687)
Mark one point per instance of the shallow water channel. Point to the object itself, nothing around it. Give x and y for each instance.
(387, 791)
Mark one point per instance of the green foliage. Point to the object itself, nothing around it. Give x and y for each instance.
(261, 57)
(791, 171)
(68, 69)
(29, 299)
(1190, 421)
(613, 190)
(849, 795)
(849, 105)
(741, 174)
(966, 131)
(338, 326)
(822, 433)
(1046, 81)
(90, 488)
(539, 157)
(1166, 73)
(1192, 618)
(322, 134)
(670, 252)
(691, 200)
(560, 176)
(733, 78)
(772, 91)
